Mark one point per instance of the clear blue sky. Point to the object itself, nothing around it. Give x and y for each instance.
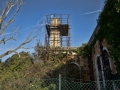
(84, 14)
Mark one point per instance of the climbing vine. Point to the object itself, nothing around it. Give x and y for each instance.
(109, 23)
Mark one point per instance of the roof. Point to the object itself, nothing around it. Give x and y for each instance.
(93, 34)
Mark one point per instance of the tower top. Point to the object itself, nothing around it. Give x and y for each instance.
(57, 30)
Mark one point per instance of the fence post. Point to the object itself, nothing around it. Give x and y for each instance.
(59, 81)
(98, 82)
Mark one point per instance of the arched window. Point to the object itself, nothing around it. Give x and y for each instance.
(73, 71)
(106, 65)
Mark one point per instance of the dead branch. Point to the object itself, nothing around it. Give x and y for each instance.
(5, 12)
(4, 39)
(4, 15)
(28, 39)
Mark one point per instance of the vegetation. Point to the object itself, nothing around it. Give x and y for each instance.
(83, 50)
(109, 23)
(32, 71)
(22, 70)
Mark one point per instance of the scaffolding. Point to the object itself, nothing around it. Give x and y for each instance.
(57, 30)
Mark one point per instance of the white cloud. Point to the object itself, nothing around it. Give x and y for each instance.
(90, 12)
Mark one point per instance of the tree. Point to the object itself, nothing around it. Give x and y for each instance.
(82, 50)
(117, 6)
(5, 23)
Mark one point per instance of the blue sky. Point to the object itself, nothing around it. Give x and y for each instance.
(83, 14)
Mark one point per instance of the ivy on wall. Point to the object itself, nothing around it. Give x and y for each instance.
(109, 22)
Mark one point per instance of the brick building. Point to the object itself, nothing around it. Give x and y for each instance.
(103, 63)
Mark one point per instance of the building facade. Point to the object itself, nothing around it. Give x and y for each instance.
(104, 67)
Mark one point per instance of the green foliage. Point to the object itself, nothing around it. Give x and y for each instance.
(19, 73)
(83, 51)
(27, 84)
(109, 22)
(117, 5)
(72, 72)
(15, 66)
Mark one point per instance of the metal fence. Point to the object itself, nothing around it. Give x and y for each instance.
(58, 84)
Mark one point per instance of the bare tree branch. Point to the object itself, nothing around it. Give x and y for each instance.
(5, 12)
(28, 39)
(4, 39)
(4, 15)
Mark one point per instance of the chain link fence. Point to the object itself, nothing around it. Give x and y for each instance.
(58, 84)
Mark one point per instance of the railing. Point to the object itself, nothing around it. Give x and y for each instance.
(58, 84)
